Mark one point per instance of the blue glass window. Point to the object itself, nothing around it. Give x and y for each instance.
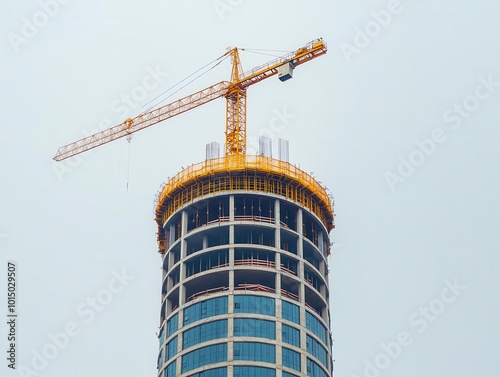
(170, 370)
(314, 370)
(172, 325)
(291, 359)
(216, 372)
(161, 338)
(242, 371)
(286, 374)
(205, 309)
(254, 327)
(171, 348)
(204, 333)
(315, 326)
(254, 304)
(159, 362)
(204, 356)
(290, 335)
(315, 349)
(254, 351)
(290, 312)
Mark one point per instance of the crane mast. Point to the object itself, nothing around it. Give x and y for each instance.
(234, 91)
(236, 98)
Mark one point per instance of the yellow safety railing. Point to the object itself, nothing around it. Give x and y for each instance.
(192, 182)
(235, 163)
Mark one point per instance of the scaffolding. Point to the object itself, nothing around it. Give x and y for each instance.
(247, 173)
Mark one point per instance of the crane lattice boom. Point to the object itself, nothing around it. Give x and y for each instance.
(234, 91)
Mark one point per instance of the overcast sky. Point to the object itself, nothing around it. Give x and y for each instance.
(399, 120)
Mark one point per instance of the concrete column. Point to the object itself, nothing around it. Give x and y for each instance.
(231, 235)
(165, 265)
(184, 222)
(321, 244)
(277, 309)
(171, 234)
(299, 231)
(230, 304)
(182, 295)
(230, 344)
(277, 254)
(300, 253)
(231, 208)
(231, 218)
(179, 347)
(231, 273)
(302, 288)
(279, 356)
(231, 258)
(171, 240)
(278, 276)
(277, 236)
(277, 212)
(230, 329)
(182, 269)
(178, 366)
(303, 341)
(168, 308)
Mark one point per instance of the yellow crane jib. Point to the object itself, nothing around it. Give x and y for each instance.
(234, 91)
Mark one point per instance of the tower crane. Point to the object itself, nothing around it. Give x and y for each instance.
(235, 92)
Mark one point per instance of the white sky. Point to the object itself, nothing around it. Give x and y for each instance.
(355, 112)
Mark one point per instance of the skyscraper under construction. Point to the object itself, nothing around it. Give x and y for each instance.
(245, 292)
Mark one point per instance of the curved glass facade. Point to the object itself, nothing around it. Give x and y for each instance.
(291, 359)
(252, 327)
(252, 371)
(203, 333)
(205, 309)
(216, 372)
(290, 335)
(245, 290)
(204, 356)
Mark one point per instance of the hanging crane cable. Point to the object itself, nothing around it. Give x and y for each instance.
(129, 139)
